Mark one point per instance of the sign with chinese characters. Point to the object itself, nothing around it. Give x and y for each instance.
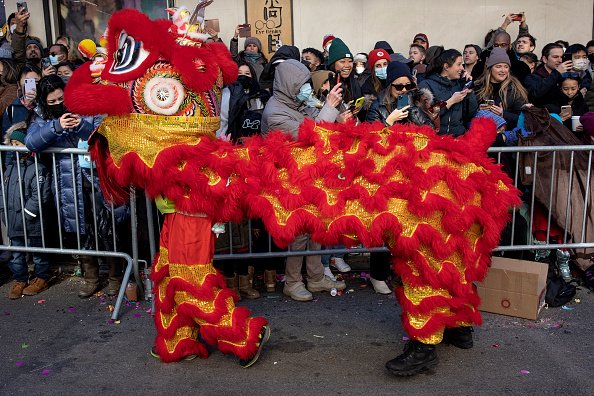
(271, 22)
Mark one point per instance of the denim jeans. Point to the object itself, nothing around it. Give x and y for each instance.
(326, 257)
(18, 263)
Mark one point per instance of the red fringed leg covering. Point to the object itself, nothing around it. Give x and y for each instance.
(192, 299)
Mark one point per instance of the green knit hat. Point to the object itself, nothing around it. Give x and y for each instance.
(18, 135)
(338, 50)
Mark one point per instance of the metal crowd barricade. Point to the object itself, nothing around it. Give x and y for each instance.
(49, 224)
(132, 257)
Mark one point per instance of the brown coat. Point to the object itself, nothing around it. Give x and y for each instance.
(550, 132)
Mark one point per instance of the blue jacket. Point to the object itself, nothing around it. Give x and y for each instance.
(44, 133)
(34, 182)
(14, 114)
(453, 120)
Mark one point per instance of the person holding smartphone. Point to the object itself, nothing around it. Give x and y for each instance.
(54, 126)
(498, 91)
(340, 61)
(252, 51)
(444, 80)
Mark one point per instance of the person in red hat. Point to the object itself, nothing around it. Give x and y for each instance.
(377, 62)
(421, 38)
(326, 43)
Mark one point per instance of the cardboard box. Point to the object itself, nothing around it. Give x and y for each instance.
(514, 288)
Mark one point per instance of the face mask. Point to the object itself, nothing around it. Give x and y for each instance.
(253, 57)
(381, 73)
(53, 59)
(359, 69)
(580, 64)
(12, 28)
(305, 93)
(245, 81)
(591, 58)
(306, 63)
(56, 110)
(65, 79)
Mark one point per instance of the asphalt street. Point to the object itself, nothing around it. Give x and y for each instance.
(58, 344)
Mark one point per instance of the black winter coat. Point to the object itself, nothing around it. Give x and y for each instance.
(512, 107)
(543, 87)
(35, 187)
(380, 112)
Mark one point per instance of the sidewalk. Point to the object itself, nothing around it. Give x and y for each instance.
(58, 344)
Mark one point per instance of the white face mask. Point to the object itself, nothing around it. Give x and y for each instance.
(581, 64)
(12, 28)
(360, 69)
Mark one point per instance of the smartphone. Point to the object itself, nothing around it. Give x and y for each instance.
(490, 102)
(45, 63)
(245, 30)
(212, 24)
(355, 106)
(22, 6)
(566, 57)
(30, 85)
(517, 17)
(566, 109)
(403, 100)
(468, 85)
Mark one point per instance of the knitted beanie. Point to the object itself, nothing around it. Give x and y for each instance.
(360, 57)
(384, 45)
(253, 40)
(35, 42)
(375, 55)
(318, 78)
(499, 121)
(498, 55)
(327, 38)
(397, 70)
(338, 50)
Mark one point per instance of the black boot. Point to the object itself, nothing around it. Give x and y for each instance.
(460, 337)
(417, 357)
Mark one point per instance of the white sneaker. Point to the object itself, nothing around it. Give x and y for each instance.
(339, 264)
(329, 273)
(380, 286)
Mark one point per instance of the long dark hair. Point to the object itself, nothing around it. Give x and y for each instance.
(9, 73)
(47, 85)
(446, 57)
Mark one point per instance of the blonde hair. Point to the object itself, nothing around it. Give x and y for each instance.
(485, 88)
(72, 48)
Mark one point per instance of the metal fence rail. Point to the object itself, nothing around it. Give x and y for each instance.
(52, 223)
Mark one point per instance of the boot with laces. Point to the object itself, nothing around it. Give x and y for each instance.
(417, 357)
(36, 286)
(325, 284)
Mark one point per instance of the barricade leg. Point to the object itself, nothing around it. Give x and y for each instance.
(191, 299)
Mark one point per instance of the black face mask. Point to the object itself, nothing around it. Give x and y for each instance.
(591, 58)
(56, 110)
(245, 81)
(306, 63)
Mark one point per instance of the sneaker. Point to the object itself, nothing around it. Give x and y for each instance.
(563, 264)
(460, 337)
(417, 357)
(36, 286)
(16, 290)
(339, 264)
(326, 284)
(380, 287)
(297, 292)
(264, 336)
(329, 273)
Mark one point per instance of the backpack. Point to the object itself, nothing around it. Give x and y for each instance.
(558, 291)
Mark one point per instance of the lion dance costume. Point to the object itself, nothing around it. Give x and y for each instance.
(438, 203)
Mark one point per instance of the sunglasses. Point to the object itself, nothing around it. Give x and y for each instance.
(400, 87)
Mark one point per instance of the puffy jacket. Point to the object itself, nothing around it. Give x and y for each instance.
(283, 111)
(14, 114)
(452, 120)
(34, 183)
(44, 133)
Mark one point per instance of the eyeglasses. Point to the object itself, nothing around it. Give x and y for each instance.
(501, 45)
(400, 87)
